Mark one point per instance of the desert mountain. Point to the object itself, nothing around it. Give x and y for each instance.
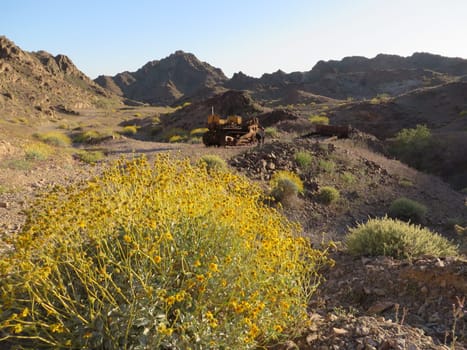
(358, 77)
(38, 83)
(181, 77)
(164, 82)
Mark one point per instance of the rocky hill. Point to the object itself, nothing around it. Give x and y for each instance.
(164, 82)
(181, 77)
(359, 77)
(35, 84)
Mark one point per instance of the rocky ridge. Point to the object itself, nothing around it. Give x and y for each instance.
(39, 84)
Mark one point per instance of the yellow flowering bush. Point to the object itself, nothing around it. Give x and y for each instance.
(149, 256)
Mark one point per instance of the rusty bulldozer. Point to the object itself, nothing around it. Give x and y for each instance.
(232, 131)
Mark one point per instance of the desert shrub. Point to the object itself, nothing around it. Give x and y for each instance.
(129, 130)
(303, 159)
(195, 140)
(407, 210)
(90, 157)
(464, 190)
(327, 166)
(213, 162)
(348, 177)
(288, 175)
(328, 195)
(54, 138)
(319, 119)
(156, 256)
(414, 146)
(38, 151)
(391, 237)
(91, 136)
(176, 138)
(17, 164)
(405, 183)
(285, 191)
(176, 134)
(271, 132)
(198, 132)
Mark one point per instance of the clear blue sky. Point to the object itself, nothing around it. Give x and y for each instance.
(252, 36)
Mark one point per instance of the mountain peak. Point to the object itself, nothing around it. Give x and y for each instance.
(177, 76)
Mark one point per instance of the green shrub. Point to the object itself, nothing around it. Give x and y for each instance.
(398, 239)
(286, 175)
(271, 132)
(407, 210)
(54, 138)
(198, 132)
(17, 164)
(319, 119)
(348, 177)
(129, 130)
(174, 135)
(90, 157)
(327, 166)
(285, 191)
(405, 183)
(176, 138)
(414, 146)
(162, 256)
(214, 162)
(91, 137)
(303, 159)
(328, 195)
(38, 151)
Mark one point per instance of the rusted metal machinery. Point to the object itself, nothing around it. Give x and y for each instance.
(232, 131)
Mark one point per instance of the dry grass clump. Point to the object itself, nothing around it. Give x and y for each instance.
(285, 186)
(319, 119)
(198, 132)
(129, 130)
(401, 240)
(54, 138)
(90, 157)
(328, 195)
(214, 162)
(38, 151)
(303, 159)
(91, 136)
(156, 256)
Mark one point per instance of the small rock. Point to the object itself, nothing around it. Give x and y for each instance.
(379, 307)
(380, 292)
(271, 166)
(340, 331)
(4, 205)
(310, 338)
(290, 345)
(424, 290)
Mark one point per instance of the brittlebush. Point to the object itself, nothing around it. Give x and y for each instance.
(163, 255)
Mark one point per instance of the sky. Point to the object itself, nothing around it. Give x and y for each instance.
(253, 36)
